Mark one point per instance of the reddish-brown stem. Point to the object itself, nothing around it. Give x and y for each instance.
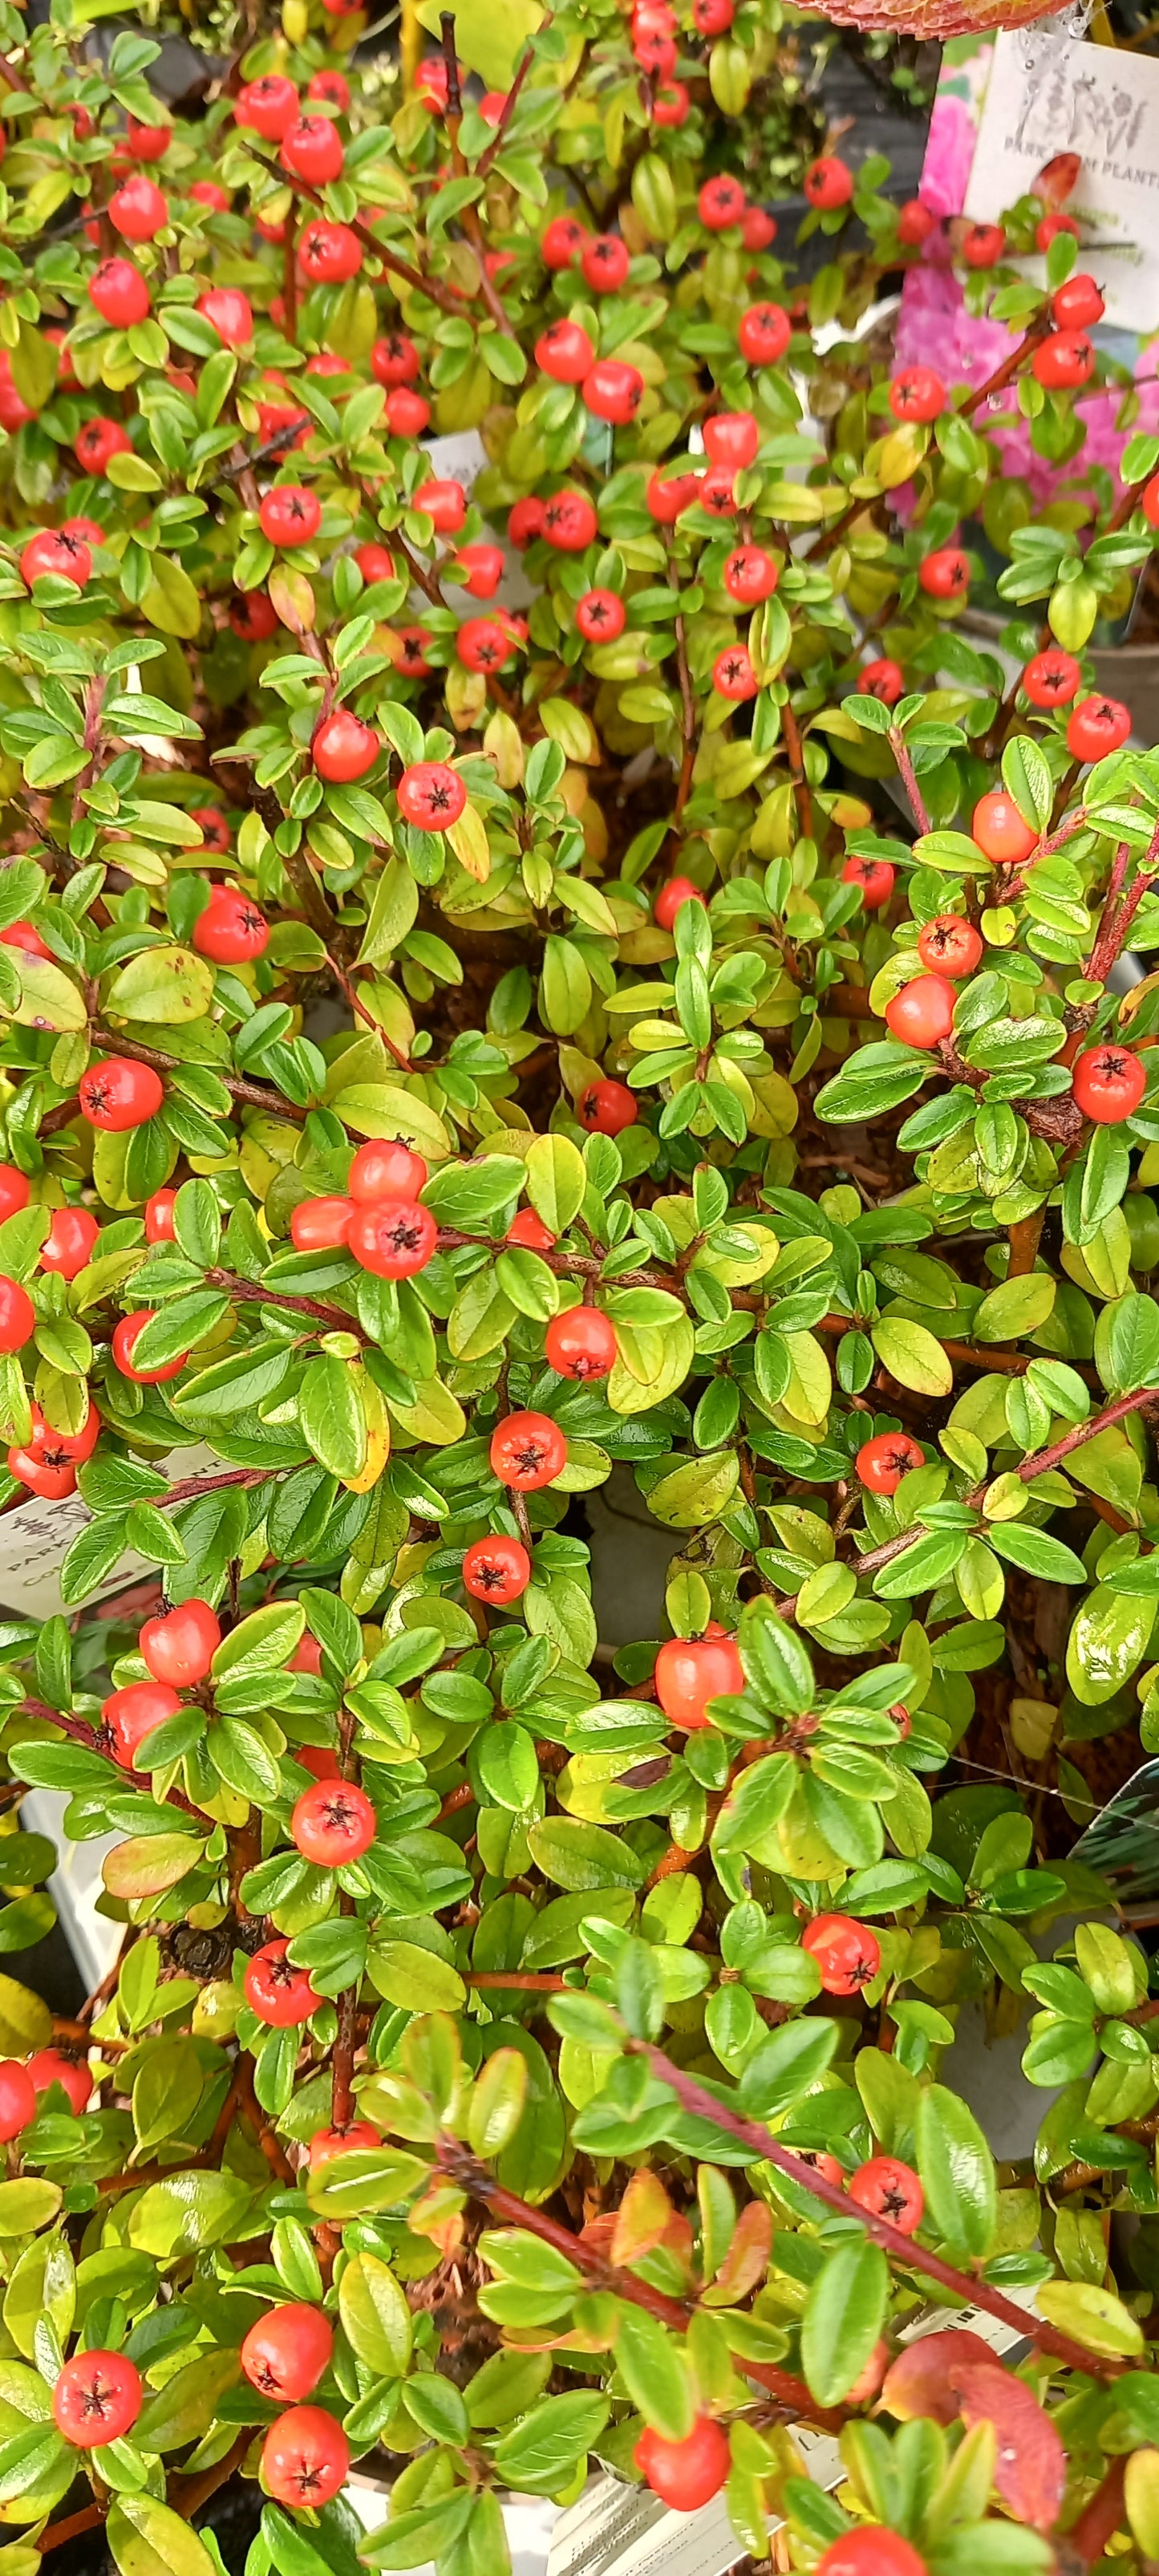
(256, 1093)
(1009, 367)
(496, 144)
(189, 2494)
(71, 2528)
(793, 746)
(1100, 2518)
(1024, 1239)
(526, 1982)
(444, 296)
(764, 2147)
(248, 1292)
(358, 1006)
(475, 2178)
(908, 778)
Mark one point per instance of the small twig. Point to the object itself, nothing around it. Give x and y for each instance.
(256, 1093)
(906, 773)
(495, 146)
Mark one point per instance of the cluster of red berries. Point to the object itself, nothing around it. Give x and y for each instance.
(380, 1218)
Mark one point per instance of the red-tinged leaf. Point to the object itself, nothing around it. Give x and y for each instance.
(746, 2261)
(917, 2383)
(1030, 2470)
(643, 2218)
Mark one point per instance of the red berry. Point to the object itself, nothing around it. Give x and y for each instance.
(482, 644)
(180, 1643)
(17, 2098)
(130, 1715)
(159, 1222)
(870, 2549)
(14, 411)
(1077, 305)
(53, 551)
(720, 204)
(394, 1238)
(525, 521)
(97, 2398)
(875, 878)
(15, 1191)
(828, 184)
(764, 333)
(600, 616)
(385, 1169)
(917, 394)
(306, 1657)
(606, 1108)
(983, 245)
(49, 2066)
(119, 293)
(564, 352)
(375, 563)
(496, 1570)
(529, 1229)
(213, 827)
(230, 313)
(914, 223)
(492, 105)
(733, 675)
(678, 891)
(231, 929)
(527, 1451)
(305, 2458)
(569, 522)
(68, 1246)
(882, 1463)
(889, 2189)
(407, 647)
(1150, 501)
(253, 617)
(950, 946)
(605, 263)
(431, 795)
(999, 829)
(758, 230)
(654, 51)
(945, 574)
(581, 1343)
(137, 209)
(1098, 726)
(63, 1448)
(42, 1475)
(1052, 679)
(562, 242)
(290, 515)
(17, 1316)
(395, 360)
(1049, 229)
(358, 2139)
(343, 748)
(148, 142)
(731, 438)
(431, 81)
(1064, 362)
(922, 1012)
(750, 575)
(280, 1995)
(883, 680)
(445, 505)
(25, 936)
(687, 2474)
(205, 192)
(828, 2167)
(312, 149)
(117, 1094)
(481, 569)
(332, 1823)
(847, 1953)
(329, 254)
(1109, 1083)
(670, 107)
(613, 391)
(716, 493)
(668, 494)
(712, 17)
(97, 441)
(319, 1225)
(285, 2354)
(269, 106)
(125, 1339)
(690, 1671)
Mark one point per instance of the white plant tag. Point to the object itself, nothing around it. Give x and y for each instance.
(36, 1538)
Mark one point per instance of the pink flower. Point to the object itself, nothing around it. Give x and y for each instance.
(949, 157)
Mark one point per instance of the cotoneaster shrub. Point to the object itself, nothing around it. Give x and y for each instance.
(521, 2056)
